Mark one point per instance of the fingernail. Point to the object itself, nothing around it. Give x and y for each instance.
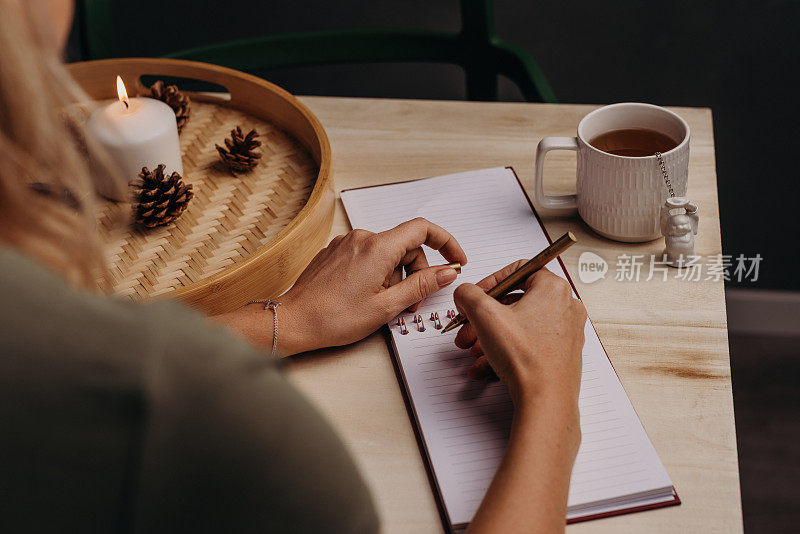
(446, 276)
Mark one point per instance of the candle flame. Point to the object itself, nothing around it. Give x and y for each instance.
(122, 94)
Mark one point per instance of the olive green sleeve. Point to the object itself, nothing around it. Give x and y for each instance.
(231, 446)
(117, 416)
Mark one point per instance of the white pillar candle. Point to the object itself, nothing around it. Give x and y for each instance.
(136, 133)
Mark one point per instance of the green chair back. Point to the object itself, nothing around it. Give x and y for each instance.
(476, 48)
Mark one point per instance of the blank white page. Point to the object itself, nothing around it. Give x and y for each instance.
(465, 423)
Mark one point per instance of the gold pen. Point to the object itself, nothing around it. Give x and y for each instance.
(508, 283)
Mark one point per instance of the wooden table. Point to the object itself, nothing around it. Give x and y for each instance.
(667, 340)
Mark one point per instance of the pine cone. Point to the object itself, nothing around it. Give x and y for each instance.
(172, 97)
(242, 152)
(160, 199)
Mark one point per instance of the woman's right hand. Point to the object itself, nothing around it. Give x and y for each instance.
(533, 341)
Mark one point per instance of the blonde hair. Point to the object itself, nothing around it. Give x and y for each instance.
(41, 142)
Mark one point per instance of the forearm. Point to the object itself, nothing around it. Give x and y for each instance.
(529, 491)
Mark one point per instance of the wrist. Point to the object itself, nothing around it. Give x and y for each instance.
(552, 397)
(558, 413)
(293, 335)
(257, 323)
(555, 423)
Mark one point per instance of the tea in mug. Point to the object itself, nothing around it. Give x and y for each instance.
(633, 142)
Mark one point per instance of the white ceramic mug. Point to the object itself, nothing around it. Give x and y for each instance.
(619, 197)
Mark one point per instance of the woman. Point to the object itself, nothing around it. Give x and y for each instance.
(122, 416)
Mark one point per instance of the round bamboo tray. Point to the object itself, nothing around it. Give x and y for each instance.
(242, 237)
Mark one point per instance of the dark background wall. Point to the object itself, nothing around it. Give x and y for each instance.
(739, 58)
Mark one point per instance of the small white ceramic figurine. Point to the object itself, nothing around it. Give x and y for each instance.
(679, 225)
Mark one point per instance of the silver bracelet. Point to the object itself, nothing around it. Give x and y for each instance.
(271, 305)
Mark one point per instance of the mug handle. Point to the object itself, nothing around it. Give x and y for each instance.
(550, 201)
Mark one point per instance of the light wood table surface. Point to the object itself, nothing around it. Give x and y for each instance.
(667, 340)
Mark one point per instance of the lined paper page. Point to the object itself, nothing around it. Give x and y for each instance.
(464, 423)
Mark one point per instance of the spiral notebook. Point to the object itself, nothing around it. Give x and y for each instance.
(463, 424)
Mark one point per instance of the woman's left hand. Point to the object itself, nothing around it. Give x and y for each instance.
(353, 286)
